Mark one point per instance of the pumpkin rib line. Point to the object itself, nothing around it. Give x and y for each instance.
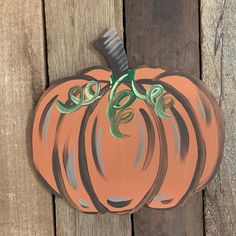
(56, 166)
(168, 201)
(59, 179)
(220, 152)
(66, 160)
(208, 118)
(65, 156)
(44, 114)
(221, 137)
(162, 170)
(94, 151)
(57, 169)
(184, 134)
(151, 139)
(218, 115)
(200, 141)
(83, 165)
(55, 155)
(201, 144)
(119, 204)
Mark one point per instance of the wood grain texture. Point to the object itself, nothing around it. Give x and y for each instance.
(219, 72)
(26, 207)
(166, 34)
(71, 27)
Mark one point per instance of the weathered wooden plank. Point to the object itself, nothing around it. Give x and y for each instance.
(165, 34)
(219, 72)
(26, 207)
(71, 27)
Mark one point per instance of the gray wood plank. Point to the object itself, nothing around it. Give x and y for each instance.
(71, 27)
(25, 205)
(219, 72)
(166, 34)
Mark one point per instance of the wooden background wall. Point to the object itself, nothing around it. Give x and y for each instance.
(41, 41)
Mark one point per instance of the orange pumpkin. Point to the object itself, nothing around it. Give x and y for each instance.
(115, 143)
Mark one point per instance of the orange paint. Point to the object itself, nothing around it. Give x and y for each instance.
(161, 163)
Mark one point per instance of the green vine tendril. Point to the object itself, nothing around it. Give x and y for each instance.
(87, 95)
(122, 114)
(118, 110)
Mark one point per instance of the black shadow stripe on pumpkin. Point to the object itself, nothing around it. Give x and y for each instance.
(176, 135)
(168, 201)
(221, 136)
(96, 143)
(57, 168)
(69, 167)
(141, 145)
(55, 162)
(183, 131)
(44, 120)
(118, 202)
(204, 109)
(59, 179)
(68, 158)
(151, 138)
(83, 165)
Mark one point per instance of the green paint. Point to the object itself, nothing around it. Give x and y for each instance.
(86, 96)
(154, 92)
(120, 113)
(159, 100)
(118, 110)
(136, 92)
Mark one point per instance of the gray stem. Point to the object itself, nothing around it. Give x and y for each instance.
(112, 49)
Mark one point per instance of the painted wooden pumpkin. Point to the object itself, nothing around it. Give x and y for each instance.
(115, 140)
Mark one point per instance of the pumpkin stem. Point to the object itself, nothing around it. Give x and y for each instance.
(112, 49)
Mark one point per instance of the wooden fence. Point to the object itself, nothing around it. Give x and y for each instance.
(41, 41)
